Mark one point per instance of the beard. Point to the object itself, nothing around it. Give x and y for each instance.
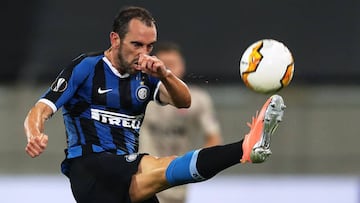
(125, 66)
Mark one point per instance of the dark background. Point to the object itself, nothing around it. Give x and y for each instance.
(39, 37)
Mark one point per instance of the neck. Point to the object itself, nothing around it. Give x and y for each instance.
(109, 54)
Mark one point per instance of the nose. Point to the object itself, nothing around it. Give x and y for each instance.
(144, 49)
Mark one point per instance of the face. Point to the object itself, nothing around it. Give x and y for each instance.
(139, 40)
(174, 61)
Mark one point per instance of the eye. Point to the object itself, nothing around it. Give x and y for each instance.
(150, 46)
(137, 44)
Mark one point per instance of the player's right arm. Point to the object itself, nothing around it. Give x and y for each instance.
(34, 129)
(60, 92)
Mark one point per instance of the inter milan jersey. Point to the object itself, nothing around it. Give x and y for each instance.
(102, 109)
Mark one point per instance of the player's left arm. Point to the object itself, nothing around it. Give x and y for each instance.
(172, 90)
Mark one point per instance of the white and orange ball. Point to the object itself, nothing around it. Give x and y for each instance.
(267, 66)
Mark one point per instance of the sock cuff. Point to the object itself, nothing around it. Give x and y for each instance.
(183, 169)
(193, 166)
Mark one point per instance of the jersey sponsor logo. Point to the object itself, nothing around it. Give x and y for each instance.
(142, 92)
(59, 85)
(131, 157)
(103, 91)
(117, 119)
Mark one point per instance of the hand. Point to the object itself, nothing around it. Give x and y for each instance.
(152, 65)
(36, 145)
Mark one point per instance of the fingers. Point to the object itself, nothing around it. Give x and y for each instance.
(36, 145)
(151, 64)
(146, 61)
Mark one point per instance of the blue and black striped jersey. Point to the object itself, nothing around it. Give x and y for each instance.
(102, 109)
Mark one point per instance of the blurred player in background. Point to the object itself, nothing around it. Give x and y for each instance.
(167, 130)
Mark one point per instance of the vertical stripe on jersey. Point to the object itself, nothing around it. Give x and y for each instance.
(125, 93)
(131, 141)
(112, 82)
(88, 129)
(119, 138)
(98, 83)
(71, 127)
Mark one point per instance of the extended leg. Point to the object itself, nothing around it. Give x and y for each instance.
(157, 174)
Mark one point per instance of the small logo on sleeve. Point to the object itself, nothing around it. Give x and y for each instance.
(59, 85)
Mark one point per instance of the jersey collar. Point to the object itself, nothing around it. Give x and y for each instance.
(114, 70)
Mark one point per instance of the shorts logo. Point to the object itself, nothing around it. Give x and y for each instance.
(131, 157)
(59, 85)
(142, 93)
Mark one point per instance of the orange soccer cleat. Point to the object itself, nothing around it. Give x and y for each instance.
(256, 144)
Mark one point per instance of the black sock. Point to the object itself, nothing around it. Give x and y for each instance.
(212, 160)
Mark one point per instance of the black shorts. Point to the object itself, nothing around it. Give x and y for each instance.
(103, 177)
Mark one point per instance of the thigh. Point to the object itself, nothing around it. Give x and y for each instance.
(150, 177)
(103, 177)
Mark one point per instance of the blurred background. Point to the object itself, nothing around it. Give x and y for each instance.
(317, 148)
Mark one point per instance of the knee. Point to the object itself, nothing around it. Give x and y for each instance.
(150, 177)
(150, 163)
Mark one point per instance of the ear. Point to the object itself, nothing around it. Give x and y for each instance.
(114, 39)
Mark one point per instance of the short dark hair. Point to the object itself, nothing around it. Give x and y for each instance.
(126, 14)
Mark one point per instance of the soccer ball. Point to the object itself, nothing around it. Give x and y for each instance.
(267, 66)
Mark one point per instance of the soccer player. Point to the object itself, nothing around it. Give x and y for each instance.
(181, 127)
(103, 97)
